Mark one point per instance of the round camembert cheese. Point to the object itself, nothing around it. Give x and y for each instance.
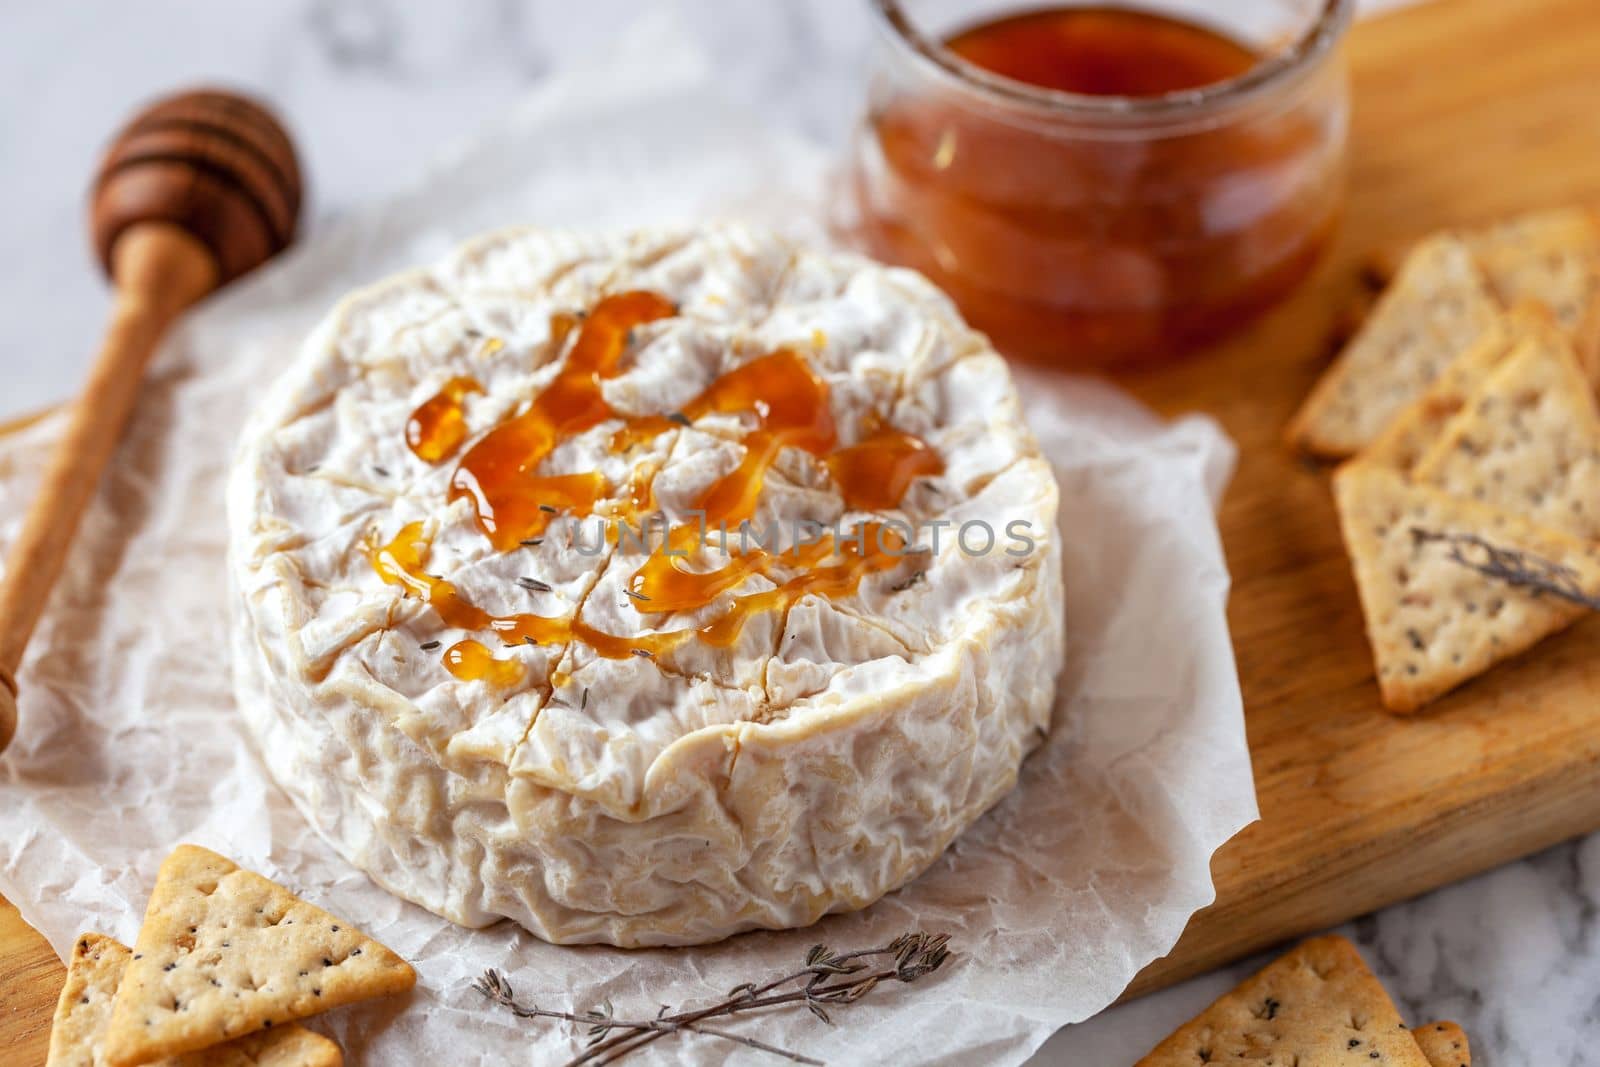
(644, 588)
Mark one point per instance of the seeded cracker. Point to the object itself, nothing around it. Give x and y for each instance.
(1435, 310)
(1548, 258)
(1445, 1045)
(1318, 1006)
(224, 952)
(1552, 257)
(84, 1010)
(1434, 623)
(1409, 436)
(1528, 441)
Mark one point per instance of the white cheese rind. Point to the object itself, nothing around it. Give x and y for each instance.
(824, 760)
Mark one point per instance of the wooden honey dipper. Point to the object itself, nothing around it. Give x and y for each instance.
(198, 189)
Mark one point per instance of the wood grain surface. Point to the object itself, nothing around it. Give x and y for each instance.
(1465, 110)
(30, 981)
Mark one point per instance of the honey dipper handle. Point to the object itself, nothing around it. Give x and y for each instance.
(160, 269)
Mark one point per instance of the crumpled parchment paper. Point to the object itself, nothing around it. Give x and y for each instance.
(1054, 900)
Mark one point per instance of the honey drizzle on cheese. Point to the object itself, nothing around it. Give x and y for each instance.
(875, 474)
(437, 428)
(499, 473)
(871, 548)
(471, 661)
(515, 504)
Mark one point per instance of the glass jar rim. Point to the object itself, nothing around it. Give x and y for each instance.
(1317, 41)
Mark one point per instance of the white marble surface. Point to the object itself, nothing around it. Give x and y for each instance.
(371, 87)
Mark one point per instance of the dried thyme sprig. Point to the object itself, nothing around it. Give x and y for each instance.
(600, 1022)
(914, 956)
(829, 979)
(1512, 566)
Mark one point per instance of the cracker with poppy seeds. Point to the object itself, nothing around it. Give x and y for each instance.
(82, 1014)
(1404, 441)
(1445, 1044)
(1567, 226)
(1528, 441)
(1436, 309)
(1434, 622)
(1317, 1006)
(225, 952)
(1552, 257)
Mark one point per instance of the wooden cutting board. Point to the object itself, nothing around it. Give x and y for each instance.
(1465, 110)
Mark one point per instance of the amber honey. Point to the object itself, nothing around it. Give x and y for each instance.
(515, 500)
(437, 428)
(471, 661)
(1099, 186)
(1103, 51)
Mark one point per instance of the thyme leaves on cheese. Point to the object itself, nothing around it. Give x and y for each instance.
(828, 979)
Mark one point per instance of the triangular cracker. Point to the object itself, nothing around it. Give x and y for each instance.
(1445, 1045)
(1527, 441)
(84, 1011)
(1548, 258)
(1404, 441)
(224, 952)
(1553, 258)
(1572, 226)
(1318, 1006)
(1434, 311)
(1434, 622)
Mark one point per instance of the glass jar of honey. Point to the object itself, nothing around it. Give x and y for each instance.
(1099, 186)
